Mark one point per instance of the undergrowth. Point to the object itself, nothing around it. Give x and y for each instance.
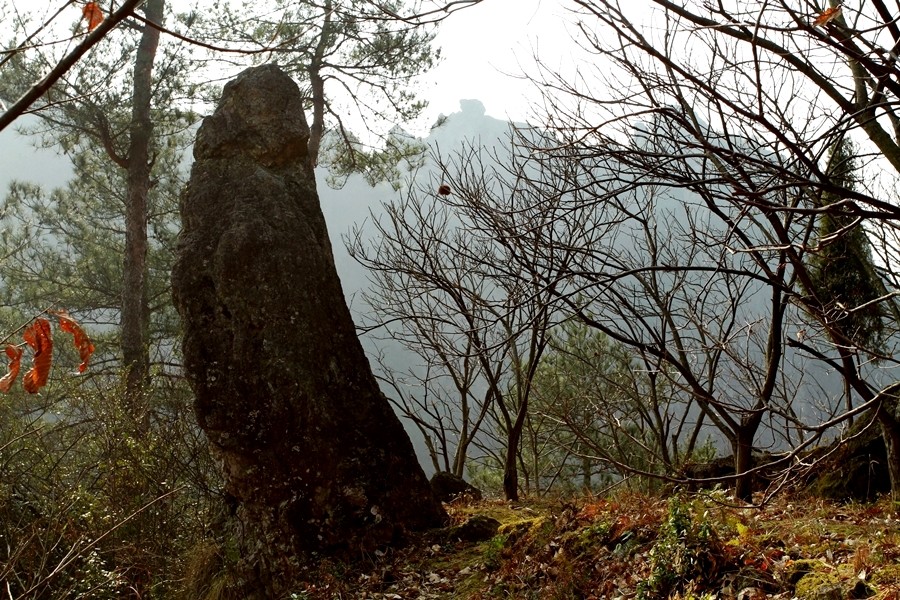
(634, 546)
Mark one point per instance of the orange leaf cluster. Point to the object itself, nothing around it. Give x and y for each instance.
(39, 337)
(15, 359)
(827, 16)
(82, 341)
(92, 14)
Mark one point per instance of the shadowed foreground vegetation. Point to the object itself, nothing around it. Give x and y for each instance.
(637, 546)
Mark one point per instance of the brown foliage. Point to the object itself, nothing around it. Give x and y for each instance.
(40, 337)
(82, 341)
(92, 14)
(15, 359)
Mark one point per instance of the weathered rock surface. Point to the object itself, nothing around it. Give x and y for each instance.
(854, 470)
(448, 487)
(310, 448)
(477, 529)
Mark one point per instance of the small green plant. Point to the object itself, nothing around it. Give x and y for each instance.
(493, 551)
(592, 536)
(681, 553)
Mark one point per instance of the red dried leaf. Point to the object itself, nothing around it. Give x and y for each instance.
(444, 190)
(827, 15)
(15, 359)
(92, 14)
(40, 338)
(82, 341)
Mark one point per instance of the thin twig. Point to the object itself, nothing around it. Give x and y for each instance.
(41, 87)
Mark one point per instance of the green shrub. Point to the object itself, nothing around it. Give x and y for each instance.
(682, 554)
(492, 552)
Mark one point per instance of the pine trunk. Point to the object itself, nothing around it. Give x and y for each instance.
(135, 314)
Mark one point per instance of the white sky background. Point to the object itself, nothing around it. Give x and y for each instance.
(486, 48)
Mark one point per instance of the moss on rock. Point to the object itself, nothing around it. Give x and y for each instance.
(819, 585)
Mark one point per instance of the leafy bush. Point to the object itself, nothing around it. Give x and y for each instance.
(96, 502)
(493, 552)
(683, 553)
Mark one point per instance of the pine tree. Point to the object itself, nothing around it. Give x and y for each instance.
(841, 268)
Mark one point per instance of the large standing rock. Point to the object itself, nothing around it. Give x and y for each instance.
(310, 448)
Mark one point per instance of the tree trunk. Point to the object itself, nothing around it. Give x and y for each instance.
(134, 318)
(890, 431)
(510, 468)
(459, 459)
(317, 84)
(312, 452)
(743, 458)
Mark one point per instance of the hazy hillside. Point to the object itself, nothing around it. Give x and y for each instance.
(21, 160)
(344, 208)
(353, 204)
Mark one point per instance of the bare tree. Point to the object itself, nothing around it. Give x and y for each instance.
(607, 415)
(429, 299)
(448, 290)
(701, 149)
(642, 268)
